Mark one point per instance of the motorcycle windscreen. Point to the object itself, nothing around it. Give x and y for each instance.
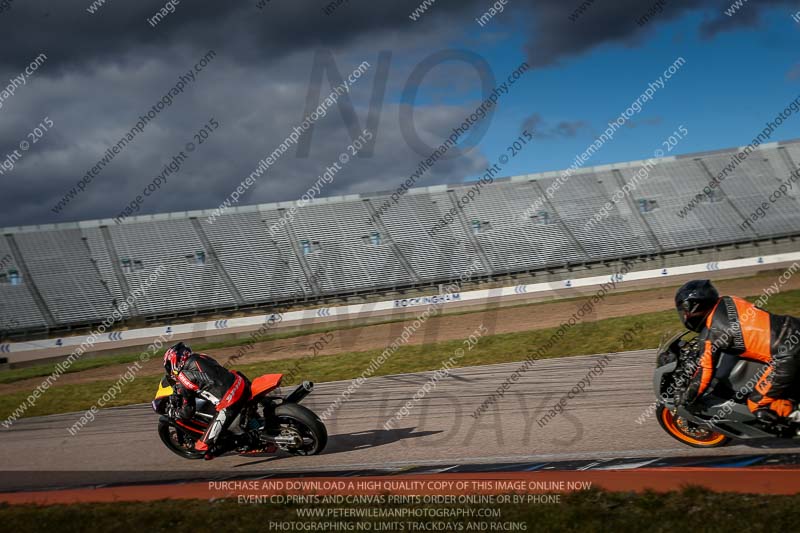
(164, 388)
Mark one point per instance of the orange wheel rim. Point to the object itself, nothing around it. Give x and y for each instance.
(669, 422)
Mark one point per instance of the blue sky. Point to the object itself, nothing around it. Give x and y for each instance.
(729, 87)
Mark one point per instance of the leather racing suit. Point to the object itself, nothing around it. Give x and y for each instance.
(737, 327)
(227, 390)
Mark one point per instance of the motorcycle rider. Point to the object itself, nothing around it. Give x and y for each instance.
(735, 326)
(197, 374)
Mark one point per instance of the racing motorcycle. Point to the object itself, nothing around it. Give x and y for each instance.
(719, 416)
(268, 422)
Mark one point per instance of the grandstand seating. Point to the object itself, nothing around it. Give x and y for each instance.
(69, 275)
(65, 274)
(186, 284)
(261, 269)
(18, 309)
(433, 255)
(337, 234)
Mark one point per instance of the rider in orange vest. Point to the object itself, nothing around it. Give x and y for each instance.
(735, 326)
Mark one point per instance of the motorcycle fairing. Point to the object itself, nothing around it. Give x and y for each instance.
(264, 384)
(738, 375)
(192, 425)
(734, 419)
(164, 389)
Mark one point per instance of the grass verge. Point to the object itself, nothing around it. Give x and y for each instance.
(19, 374)
(11, 376)
(600, 336)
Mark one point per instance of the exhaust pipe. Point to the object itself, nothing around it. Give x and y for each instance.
(297, 395)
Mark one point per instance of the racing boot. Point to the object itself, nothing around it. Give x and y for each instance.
(215, 450)
(771, 422)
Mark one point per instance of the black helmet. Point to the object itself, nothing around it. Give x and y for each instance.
(175, 357)
(694, 301)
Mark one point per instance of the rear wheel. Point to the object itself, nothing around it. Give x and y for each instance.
(179, 441)
(303, 427)
(689, 433)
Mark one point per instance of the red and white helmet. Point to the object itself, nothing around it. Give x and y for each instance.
(175, 357)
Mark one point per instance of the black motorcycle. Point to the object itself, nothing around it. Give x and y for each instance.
(266, 423)
(720, 415)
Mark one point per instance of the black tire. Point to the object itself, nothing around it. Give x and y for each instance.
(170, 435)
(671, 424)
(307, 424)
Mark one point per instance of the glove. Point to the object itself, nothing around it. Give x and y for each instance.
(678, 396)
(173, 409)
(687, 389)
(686, 397)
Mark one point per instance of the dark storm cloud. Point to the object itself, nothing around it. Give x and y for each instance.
(256, 109)
(562, 129)
(555, 37)
(532, 123)
(569, 128)
(118, 29)
(105, 70)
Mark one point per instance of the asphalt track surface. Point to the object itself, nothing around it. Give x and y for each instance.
(122, 446)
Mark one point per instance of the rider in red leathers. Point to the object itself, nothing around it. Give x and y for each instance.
(197, 374)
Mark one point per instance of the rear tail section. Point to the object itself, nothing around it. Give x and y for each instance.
(264, 384)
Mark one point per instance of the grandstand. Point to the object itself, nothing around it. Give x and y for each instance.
(73, 275)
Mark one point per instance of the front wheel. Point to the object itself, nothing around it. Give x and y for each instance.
(303, 427)
(179, 442)
(689, 433)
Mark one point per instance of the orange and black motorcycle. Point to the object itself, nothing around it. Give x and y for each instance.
(721, 414)
(267, 422)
